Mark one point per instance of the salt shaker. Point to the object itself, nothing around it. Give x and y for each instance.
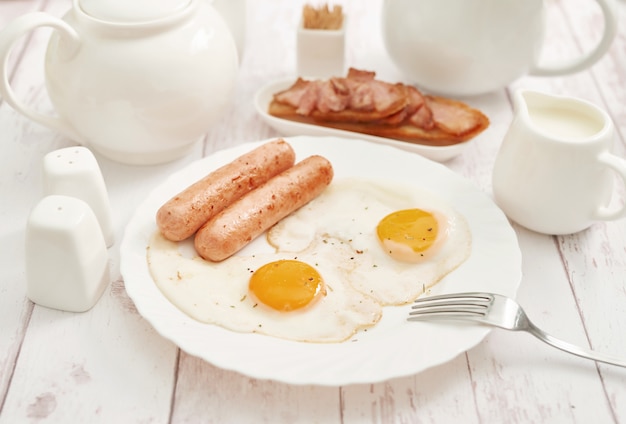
(66, 255)
(74, 171)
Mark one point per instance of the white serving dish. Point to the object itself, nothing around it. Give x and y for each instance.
(285, 127)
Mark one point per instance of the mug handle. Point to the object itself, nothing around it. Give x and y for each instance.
(610, 14)
(618, 165)
(9, 35)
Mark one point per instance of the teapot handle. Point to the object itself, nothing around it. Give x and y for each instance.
(610, 14)
(618, 165)
(8, 36)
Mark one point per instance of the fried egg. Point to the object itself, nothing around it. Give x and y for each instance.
(404, 239)
(303, 296)
(337, 261)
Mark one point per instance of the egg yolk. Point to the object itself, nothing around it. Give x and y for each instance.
(408, 234)
(286, 285)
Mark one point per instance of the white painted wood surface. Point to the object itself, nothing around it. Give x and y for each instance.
(109, 365)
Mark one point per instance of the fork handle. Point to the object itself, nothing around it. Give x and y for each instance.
(575, 350)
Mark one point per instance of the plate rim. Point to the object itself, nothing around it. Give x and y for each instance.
(135, 293)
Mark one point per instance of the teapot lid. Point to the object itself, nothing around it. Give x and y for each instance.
(124, 11)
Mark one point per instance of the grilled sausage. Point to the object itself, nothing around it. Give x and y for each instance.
(247, 218)
(183, 214)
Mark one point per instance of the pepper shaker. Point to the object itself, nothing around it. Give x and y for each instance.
(66, 255)
(74, 171)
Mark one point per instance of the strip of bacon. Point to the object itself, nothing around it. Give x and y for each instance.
(359, 102)
(416, 112)
(450, 118)
(360, 75)
(359, 91)
(293, 96)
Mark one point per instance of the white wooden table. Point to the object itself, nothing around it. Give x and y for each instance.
(108, 365)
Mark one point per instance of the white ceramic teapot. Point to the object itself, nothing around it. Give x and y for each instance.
(467, 47)
(138, 82)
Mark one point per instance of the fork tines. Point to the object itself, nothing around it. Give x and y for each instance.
(456, 305)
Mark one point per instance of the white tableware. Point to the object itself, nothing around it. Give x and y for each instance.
(74, 171)
(66, 256)
(320, 53)
(263, 97)
(394, 347)
(466, 47)
(554, 173)
(234, 13)
(499, 311)
(138, 82)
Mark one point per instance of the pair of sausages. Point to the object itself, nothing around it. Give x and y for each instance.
(236, 203)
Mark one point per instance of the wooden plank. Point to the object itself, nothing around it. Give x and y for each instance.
(228, 397)
(123, 370)
(10, 10)
(107, 364)
(15, 309)
(440, 394)
(519, 379)
(602, 303)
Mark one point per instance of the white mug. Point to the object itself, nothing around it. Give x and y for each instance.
(466, 47)
(554, 172)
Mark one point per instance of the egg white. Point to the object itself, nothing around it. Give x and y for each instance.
(350, 209)
(217, 293)
(336, 234)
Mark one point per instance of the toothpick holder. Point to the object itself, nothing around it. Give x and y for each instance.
(321, 52)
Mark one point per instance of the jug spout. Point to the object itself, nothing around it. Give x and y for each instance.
(561, 118)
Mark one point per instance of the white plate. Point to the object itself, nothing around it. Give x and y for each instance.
(394, 347)
(263, 98)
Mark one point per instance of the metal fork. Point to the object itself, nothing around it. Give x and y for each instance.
(499, 311)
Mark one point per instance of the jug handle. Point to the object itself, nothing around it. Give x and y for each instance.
(618, 165)
(610, 14)
(9, 35)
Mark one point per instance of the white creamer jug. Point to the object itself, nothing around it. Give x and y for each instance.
(554, 173)
(467, 47)
(138, 82)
